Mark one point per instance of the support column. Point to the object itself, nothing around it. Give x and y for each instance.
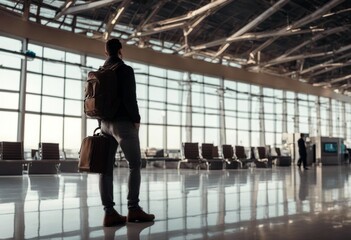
(343, 121)
(318, 112)
(261, 117)
(83, 61)
(188, 112)
(22, 94)
(296, 114)
(285, 114)
(222, 135)
(330, 118)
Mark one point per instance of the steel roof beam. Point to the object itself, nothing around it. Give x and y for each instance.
(303, 21)
(342, 49)
(311, 40)
(331, 68)
(155, 10)
(114, 18)
(266, 14)
(88, 6)
(251, 36)
(181, 21)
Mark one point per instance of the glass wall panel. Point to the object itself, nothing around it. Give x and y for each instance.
(243, 138)
(143, 136)
(72, 71)
(156, 94)
(231, 136)
(8, 126)
(94, 63)
(9, 100)
(53, 86)
(173, 137)
(33, 103)
(230, 122)
(156, 116)
(52, 129)
(197, 135)
(173, 117)
(255, 139)
(211, 135)
(11, 81)
(49, 102)
(36, 64)
(10, 60)
(33, 83)
(156, 136)
(163, 95)
(32, 131)
(72, 134)
(73, 107)
(54, 68)
(74, 89)
(142, 91)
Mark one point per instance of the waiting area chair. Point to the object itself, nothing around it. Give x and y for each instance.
(231, 161)
(11, 158)
(282, 160)
(240, 154)
(210, 156)
(263, 160)
(48, 162)
(191, 155)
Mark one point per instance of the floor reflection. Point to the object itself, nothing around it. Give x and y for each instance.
(188, 204)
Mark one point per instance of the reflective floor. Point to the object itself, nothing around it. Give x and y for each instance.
(277, 203)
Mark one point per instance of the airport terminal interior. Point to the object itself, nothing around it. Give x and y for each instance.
(225, 91)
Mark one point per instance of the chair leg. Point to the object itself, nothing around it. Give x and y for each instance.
(178, 167)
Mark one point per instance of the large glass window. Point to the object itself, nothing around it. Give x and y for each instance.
(173, 105)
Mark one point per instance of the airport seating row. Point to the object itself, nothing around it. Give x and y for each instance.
(230, 157)
(47, 160)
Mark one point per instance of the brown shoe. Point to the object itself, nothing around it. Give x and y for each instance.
(114, 219)
(138, 215)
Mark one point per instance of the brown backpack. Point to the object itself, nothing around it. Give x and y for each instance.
(101, 93)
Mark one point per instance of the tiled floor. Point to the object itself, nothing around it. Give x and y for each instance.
(277, 203)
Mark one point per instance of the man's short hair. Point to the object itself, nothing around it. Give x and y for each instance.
(112, 47)
(302, 135)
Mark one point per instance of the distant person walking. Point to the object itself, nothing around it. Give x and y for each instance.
(123, 130)
(302, 152)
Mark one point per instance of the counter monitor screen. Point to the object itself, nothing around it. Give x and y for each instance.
(330, 147)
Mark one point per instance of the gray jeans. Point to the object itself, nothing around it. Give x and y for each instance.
(127, 136)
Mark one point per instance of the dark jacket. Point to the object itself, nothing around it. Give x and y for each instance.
(128, 110)
(302, 147)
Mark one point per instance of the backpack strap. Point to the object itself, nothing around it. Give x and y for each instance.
(115, 66)
(112, 67)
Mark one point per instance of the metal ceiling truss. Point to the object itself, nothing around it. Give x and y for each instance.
(114, 18)
(193, 17)
(71, 9)
(251, 25)
(315, 38)
(300, 23)
(318, 54)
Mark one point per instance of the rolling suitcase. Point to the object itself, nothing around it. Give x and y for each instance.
(93, 153)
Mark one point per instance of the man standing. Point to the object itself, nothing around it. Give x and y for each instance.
(122, 130)
(302, 152)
